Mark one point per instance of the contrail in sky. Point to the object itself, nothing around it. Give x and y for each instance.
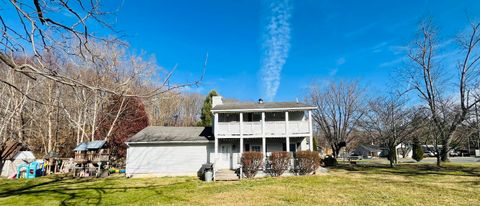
(276, 43)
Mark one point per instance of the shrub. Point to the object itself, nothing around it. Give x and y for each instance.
(330, 161)
(307, 162)
(251, 163)
(279, 162)
(417, 151)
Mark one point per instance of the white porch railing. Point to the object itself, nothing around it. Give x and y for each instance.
(275, 128)
(230, 128)
(298, 127)
(252, 128)
(255, 128)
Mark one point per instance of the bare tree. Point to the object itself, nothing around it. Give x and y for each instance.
(427, 78)
(175, 109)
(339, 110)
(57, 74)
(391, 122)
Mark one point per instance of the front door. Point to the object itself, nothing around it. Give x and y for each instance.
(225, 160)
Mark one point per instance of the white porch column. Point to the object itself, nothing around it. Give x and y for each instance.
(241, 124)
(215, 134)
(241, 133)
(241, 146)
(264, 146)
(263, 124)
(287, 137)
(310, 130)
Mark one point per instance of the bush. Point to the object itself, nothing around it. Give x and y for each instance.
(330, 161)
(417, 151)
(307, 162)
(279, 162)
(251, 163)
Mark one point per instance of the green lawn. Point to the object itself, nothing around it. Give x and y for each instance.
(409, 184)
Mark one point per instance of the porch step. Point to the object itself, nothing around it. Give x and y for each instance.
(225, 175)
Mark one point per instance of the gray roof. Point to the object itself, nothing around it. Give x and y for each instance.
(173, 134)
(371, 148)
(97, 144)
(262, 106)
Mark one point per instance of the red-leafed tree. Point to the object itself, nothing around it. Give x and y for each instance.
(121, 118)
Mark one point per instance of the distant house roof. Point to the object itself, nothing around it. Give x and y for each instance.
(255, 106)
(159, 134)
(371, 148)
(90, 145)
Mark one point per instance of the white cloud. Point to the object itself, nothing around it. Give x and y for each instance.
(276, 46)
(379, 47)
(397, 49)
(341, 61)
(333, 72)
(394, 62)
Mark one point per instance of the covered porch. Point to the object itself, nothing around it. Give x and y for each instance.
(227, 153)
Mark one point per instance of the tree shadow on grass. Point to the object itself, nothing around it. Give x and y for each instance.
(414, 169)
(421, 171)
(94, 194)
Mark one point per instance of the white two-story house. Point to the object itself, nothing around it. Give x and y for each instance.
(259, 126)
(238, 127)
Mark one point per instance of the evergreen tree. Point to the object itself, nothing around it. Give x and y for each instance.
(315, 144)
(417, 150)
(206, 116)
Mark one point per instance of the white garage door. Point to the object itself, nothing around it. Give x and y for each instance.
(165, 159)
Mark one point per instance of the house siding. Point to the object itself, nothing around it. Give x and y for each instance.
(175, 159)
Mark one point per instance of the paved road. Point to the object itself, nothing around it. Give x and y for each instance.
(453, 159)
(430, 160)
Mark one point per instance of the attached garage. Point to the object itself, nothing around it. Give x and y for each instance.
(168, 151)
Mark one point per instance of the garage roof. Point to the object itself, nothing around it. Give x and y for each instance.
(156, 134)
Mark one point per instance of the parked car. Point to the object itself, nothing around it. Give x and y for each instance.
(354, 156)
(455, 153)
(429, 154)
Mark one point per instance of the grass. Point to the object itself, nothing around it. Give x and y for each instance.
(408, 184)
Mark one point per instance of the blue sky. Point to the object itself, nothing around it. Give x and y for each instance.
(327, 40)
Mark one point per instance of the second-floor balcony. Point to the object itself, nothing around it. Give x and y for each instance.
(270, 128)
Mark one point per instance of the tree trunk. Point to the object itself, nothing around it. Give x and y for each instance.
(94, 120)
(392, 155)
(445, 148)
(439, 161)
(120, 110)
(2, 158)
(334, 151)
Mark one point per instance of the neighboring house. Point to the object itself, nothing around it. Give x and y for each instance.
(367, 151)
(242, 126)
(404, 151)
(370, 151)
